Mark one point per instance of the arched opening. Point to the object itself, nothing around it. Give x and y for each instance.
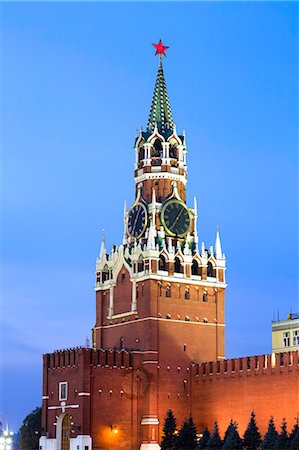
(141, 154)
(162, 263)
(157, 150)
(210, 270)
(178, 265)
(140, 266)
(187, 294)
(65, 432)
(105, 274)
(195, 268)
(167, 292)
(172, 151)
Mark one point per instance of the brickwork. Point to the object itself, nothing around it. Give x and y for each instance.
(109, 389)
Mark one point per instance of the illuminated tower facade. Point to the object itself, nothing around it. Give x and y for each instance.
(158, 338)
(161, 292)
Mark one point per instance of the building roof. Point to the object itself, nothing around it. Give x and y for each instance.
(160, 111)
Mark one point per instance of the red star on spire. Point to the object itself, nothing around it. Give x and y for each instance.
(160, 48)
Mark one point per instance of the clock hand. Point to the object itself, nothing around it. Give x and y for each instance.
(177, 217)
(135, 221)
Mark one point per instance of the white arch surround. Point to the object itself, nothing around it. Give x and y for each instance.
(78, 443)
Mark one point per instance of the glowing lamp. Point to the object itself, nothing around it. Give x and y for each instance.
(114, 429)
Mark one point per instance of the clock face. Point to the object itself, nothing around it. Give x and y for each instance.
(176, 218)
(137, 220)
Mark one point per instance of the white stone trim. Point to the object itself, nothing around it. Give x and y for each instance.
(66, 406)
(47, 443)
(161, 319)
(150, 446)
(150, 421)
(175, 279)
(80, 442)
(126, 314)
(110, 308)
(150, 362)
(45, 397)
(159, 175)
(83, 394)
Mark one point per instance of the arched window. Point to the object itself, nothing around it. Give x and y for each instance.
(178, 266)
(195, 268)
(157, 151)
(204, 297)
(172, 151)
(141, 153)
(140, 265)
(168, 316)
(210, 270)
(105, 273)
(187, 294)
(162, 263)
(167, 292)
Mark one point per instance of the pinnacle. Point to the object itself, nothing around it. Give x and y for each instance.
(160, 112)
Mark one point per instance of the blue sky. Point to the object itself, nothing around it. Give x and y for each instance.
(77, 82)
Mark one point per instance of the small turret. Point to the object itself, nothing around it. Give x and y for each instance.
(103, 246)
(218, 250)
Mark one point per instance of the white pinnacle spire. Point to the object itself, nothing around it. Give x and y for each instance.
(195, 224)
(125, 226)
(103, 246)
(151, 242)
(154, 208)
(218, 250)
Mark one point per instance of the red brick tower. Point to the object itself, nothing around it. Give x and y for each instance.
(159, 293)
(158, 340)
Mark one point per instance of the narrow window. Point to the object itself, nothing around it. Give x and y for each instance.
(210, 270)
(178, 266)
(194, 268)
(122, 343)
(187, 295)
(296, 337)
(167, 292)
(185, 347)
(286, 339)
(63, 390)
(158, 151)
(162, 263)
(140, 265)
(204, 297)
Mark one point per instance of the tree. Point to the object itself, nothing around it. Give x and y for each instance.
(295, 441)
(187, 438)
(232, 439)
(271, 436)
(169, 432)
(282, 442)
(204, 440)
(230, 426)
(30, 430)
(252, 436)
(215, 440)
(294, 432)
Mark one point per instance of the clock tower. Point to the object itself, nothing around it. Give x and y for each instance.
(161, 293)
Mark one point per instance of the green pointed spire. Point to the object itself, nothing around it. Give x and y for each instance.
(160, 112)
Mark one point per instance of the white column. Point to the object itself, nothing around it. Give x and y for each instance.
(134, 300)
(110, 309)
